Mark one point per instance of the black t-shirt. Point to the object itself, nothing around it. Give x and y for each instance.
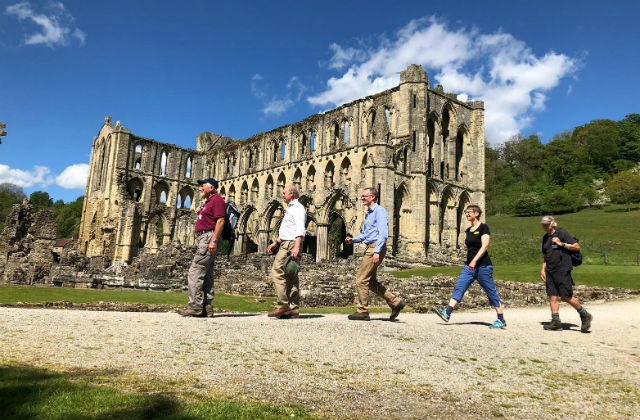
(473, 242)
(557, 259)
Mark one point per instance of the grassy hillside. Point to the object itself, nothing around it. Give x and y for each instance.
(607, 236)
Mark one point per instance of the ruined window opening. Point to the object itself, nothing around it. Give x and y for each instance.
(282, 181)
(137, 160)
(328, 175)
(414, 141)
(303, 144)
(244, 193)
(347, 134)
(159, 232)
(255, 188)
(345, 172)
(283, 147)
(312, 144)
(232, 193)
(404, 160)
(387, 114)
(336, 135)
(297, 179)
(415, 101)
(163, 197)
(269, 188)
(363, 172)
(188, 171)
(163, 164)
(311, 179)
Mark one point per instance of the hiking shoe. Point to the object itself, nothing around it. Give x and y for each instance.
(554, 325)
(442, 313)
(395, 311)
(191, 312)
(586, 322)
(359, 316)
(209, 311)
(498, 324)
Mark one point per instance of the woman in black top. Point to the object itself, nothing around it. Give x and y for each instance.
(478, 266)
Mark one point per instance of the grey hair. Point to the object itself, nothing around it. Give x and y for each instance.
(549, 220)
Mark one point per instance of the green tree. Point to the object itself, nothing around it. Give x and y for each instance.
(40, 200)
(10, 194)
(597, 144)
(624, 188)
(68, 218)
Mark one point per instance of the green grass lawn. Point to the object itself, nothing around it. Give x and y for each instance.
(35, 393)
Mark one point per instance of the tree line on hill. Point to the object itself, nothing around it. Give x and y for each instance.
(588, 166)
(591, 165)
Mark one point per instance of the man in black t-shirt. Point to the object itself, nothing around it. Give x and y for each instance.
(556, 273)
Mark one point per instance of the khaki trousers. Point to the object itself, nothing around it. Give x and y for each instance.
(367, 279)
(287, 289)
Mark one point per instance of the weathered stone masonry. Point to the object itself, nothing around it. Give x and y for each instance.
(422, 148)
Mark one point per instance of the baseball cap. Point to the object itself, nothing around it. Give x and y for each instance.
(209, 181)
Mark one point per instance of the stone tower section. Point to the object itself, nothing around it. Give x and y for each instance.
(422, 148)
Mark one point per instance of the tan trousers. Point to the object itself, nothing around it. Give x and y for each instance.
(287, 289)
(200, 275)
(367, 279)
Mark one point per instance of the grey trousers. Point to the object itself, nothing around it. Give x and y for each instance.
(200, 276)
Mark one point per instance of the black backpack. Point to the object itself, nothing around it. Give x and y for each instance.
(231, 216)
(576, 257)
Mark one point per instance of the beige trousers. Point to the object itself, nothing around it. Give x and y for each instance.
(367, 279)
(287, 289)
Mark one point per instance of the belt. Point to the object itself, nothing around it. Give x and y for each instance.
(202, 232)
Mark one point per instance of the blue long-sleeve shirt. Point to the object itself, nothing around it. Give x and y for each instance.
(375, 228)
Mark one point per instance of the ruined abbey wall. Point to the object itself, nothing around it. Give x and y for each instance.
(421, 147)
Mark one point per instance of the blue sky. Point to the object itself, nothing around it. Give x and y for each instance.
(171, 70)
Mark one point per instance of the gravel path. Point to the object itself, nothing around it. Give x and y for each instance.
(417, 367)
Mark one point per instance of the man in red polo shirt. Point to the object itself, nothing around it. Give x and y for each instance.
(208, 229)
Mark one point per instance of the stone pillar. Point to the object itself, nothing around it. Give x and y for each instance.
(322, 250)
(263, 241)
(239, 245)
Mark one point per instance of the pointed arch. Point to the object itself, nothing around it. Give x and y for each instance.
(311, 178)
(329, 172)
(255, 190)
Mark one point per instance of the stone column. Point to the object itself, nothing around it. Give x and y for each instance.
(322, 250)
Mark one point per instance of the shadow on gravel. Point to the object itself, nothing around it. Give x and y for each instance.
(565, 326)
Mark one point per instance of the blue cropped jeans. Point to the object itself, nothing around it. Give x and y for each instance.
(484, 275)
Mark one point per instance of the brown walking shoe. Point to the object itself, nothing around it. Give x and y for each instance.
(359, 316)
(586, 323)
(395, 311)
(197, 313)
(280, 312)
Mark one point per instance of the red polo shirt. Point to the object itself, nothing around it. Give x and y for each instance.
(212, 210)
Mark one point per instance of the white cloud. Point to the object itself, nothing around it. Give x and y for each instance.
(277, 105)
(74, 176)
(40, 175)
(56, 25)
(496, 68)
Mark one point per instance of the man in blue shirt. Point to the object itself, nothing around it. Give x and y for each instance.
(375, 231)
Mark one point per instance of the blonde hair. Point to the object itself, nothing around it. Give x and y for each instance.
(549, 220)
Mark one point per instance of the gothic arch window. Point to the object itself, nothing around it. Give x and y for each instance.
(414, 140)
(268, 191)
(187, 172)
(282, 182)
(283, 148)
(431, 134)
(363, 170)
(371, 123)
(244, 193)
(297, 178)
(137, 157)
(334, 137)
(328, 175)
(303, 144)
(459, 153)
(345, 172)
(232, 193)
(274, 151)
(223, 192)
(311, 178)
(255, 188)
(185, 197)
(312, 142)
(346, 138)
(161, 190)
(135, 188)
(163, 163)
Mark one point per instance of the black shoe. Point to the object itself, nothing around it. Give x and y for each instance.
(395, 311)
(586, 322)
(360, 316)
(554, 325)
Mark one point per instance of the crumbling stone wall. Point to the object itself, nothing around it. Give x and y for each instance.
(26, 246)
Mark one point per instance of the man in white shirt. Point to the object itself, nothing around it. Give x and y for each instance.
(289, 244)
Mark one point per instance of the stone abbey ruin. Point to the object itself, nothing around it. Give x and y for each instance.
(421, 147)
